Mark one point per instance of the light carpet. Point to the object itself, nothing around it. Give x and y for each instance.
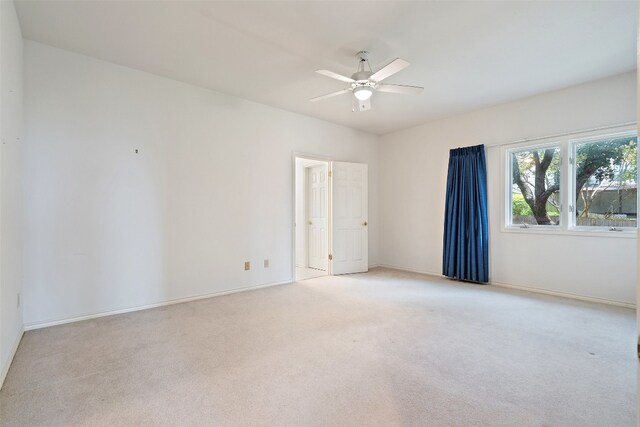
(385, 348)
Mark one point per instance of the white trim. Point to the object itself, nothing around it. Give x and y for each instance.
(565, 295)
(5, 369)
(530, 289)
(39, 325)
(393, 267)
(597, 232)
(564, 134)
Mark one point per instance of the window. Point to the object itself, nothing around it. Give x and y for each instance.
(598, 184)
(535, 186)
(605, 177)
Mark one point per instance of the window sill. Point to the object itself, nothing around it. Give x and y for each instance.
(631, 234)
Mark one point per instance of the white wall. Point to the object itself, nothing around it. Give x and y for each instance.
(109, 229)
(412, 192)
(10, 183)
(211, 186)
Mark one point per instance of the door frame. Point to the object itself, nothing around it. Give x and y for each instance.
(300, 155)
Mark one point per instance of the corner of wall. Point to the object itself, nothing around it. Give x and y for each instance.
(12, 353)
(11, 213)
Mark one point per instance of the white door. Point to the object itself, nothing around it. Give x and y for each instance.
(317, 217)
(349, 208)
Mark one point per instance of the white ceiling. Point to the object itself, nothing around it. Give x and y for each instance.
(466, 54)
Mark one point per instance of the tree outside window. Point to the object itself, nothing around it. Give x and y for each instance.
(535, 189)
(605, 176)
(603, 184)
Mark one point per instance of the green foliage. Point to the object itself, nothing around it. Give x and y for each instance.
(603, 160)
(519, 206)
(612, 160)
(629, 164)
(552, 210)
(599, 165)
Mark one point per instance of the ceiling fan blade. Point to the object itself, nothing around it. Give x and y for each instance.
(364, 105)
(406, 89)
(390, 69)
(335, 76)
(329, 95)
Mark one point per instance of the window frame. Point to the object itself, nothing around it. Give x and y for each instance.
(509, 178)
(573, 143)
(567, 144)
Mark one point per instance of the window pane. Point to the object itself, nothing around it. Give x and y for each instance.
(606, 176)
(535, 186)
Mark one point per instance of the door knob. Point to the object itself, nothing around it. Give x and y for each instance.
(365, 223)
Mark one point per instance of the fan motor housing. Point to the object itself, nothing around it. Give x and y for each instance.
(361, 76)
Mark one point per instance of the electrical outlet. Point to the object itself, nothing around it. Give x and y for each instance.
(266, 263)
(247, 265)
(18, 300)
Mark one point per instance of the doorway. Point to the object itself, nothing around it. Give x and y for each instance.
(330, 218)
(311, 218)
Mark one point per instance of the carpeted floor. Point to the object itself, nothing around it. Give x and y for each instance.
(380, 349)
(303, 273)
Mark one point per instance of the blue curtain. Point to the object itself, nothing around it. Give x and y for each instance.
(466, 233)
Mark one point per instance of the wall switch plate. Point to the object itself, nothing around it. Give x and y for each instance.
(247, 265)
(266, 263)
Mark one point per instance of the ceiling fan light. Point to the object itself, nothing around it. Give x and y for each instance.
(362, 93)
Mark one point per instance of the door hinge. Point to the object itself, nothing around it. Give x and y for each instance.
(330, 174)
(571, 161)
(330, 257)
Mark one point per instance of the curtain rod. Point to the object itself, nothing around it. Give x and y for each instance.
(557, 135)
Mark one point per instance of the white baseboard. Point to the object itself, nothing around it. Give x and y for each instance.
(565, 295)
(5, 369)
(39, 325)
(410, 270)
(529, 289)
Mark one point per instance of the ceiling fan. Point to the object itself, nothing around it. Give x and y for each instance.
(364, 82)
